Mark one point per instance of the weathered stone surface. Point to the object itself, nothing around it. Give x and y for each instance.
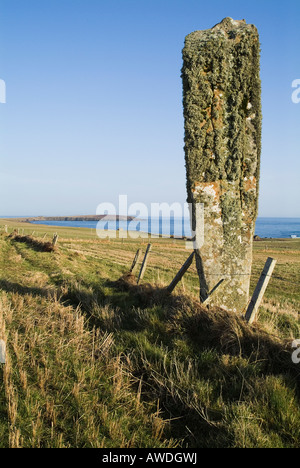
(222, 111)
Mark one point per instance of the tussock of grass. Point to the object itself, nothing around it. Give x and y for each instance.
(36, 244)
(145, 293)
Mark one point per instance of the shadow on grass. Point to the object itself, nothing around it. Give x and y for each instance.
(181, 342)
(35, 244)
(9, 286)
(204, 328)
(4, 442)
(148, 323)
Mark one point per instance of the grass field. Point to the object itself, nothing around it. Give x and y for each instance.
(97, 362)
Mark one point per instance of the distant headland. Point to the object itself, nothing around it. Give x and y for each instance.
(75, 218)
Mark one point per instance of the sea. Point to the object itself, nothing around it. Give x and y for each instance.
(282, 228)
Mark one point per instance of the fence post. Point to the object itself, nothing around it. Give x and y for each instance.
(181, 272)
(135, 261)
(144, 264)
(260, 290)
(55, 239)
(223, 282)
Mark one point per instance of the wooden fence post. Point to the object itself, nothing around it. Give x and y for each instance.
(260, 290)
(144, 264)
(181, 272)
(223, 282)
(55, 239)
(135, 261)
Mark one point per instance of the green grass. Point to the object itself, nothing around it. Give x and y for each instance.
(93, 362)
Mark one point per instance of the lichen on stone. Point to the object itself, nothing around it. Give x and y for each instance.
(222, 114)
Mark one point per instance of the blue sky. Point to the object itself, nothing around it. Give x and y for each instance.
(94, 101)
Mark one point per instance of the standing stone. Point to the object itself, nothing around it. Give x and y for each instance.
(222, 111)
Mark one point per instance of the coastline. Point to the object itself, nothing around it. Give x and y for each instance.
(266, 228)
(72, 218)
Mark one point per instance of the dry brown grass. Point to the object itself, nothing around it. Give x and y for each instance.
(63, 384)
(97, 361)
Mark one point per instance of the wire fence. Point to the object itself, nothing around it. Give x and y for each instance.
(220, 275)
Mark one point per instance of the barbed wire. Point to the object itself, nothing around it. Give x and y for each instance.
(251, 274)
(286, 280)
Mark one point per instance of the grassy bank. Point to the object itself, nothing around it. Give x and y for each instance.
(96, 362)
